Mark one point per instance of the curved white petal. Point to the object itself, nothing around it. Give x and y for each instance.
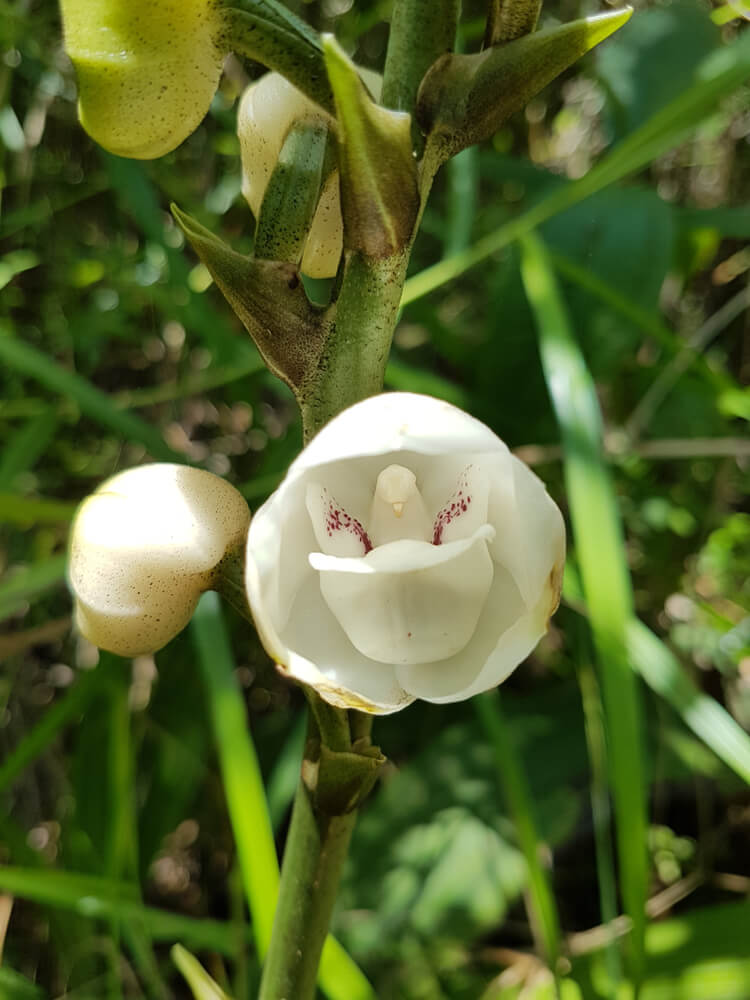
(424, 608)
(316, 651)
(394, 423)
(530, 529)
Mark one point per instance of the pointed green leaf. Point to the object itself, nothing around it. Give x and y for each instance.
(269, 299)
(378, 171)
(274, 37)
(466, 98)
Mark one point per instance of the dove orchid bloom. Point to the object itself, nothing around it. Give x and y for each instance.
(406, 555)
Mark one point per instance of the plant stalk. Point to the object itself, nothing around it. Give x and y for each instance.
(315, 852)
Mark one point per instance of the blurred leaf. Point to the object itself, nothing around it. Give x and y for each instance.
(652, 60)
(96, 404)
(14, 986)
(68, 707)
(434, 853)
(16, 262)
(716, 77)
(97, 898)
(28, 581)
(701, 955)
(29, 511)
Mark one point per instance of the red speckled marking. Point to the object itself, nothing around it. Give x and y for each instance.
(337, 519)
(455, 507)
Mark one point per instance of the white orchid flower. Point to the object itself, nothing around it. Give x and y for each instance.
(407, 554)
(144, 547)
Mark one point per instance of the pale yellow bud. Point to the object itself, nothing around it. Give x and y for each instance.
(147, 71)
(144, 547)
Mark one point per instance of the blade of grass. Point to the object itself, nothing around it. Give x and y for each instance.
(339, 976)
(596, 744)
(121, 851)
(243, 783)
(606, 581)
(662, 671)
(23, 449)
(54, 720)
(27, 360)
(30, 581)
(28, 511)
(544, 915)
(717, 77)
(101, 898)
(648, 322)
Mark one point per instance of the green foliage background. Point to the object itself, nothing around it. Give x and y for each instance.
(115, 836)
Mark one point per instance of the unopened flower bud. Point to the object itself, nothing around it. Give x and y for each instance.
(143, 549)
(147, 71)
(267, 111)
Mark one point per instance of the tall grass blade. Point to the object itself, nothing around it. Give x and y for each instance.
(243, 783)
(606, 581)
(544, 915)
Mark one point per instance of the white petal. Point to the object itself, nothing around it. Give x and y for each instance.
(315, 650)
(443, 681)
(408, 601)
(336, 531)
(394, 423)
(268, 108)
(325, 241)
(504, 637)
(466, 508)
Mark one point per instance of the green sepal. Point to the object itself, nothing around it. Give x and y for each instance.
(379, 195)
(292, 194)
(282, 43)
(345, 778)
(269, 299)
(464, 99)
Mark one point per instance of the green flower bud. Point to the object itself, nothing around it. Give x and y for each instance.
(147, 70)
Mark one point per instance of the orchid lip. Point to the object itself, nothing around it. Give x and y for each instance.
(406, 555)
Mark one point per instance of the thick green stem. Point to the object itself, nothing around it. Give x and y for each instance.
(352, 366)
(315, 852)
(421, 30)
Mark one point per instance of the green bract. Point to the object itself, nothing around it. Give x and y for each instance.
(146, 71)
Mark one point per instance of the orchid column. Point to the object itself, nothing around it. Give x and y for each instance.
(400, 509)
